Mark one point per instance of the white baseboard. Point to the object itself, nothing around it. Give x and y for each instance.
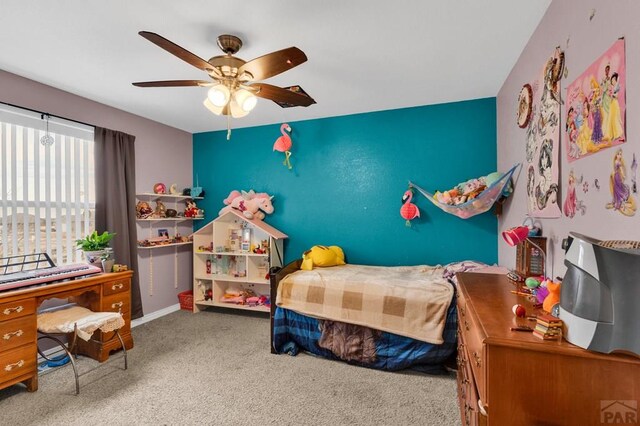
(155, 315)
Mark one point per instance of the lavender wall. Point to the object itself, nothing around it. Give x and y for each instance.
(163, 154)
(588, 39)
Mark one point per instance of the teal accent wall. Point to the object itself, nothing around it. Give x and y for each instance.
(349, 175)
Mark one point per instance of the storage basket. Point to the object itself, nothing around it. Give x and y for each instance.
(186, 300)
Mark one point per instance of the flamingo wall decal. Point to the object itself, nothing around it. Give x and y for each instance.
(409, 211)
(284, 143)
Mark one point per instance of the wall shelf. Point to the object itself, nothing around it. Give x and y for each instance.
(171, 227)
(148, 196)
(164, 245)
(233, 253)
(174, 219)
(231, 278)
(259, 308)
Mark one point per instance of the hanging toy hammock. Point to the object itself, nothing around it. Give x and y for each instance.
(480, 203)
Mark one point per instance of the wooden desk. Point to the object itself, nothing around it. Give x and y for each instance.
(518, 379)
(18, 325)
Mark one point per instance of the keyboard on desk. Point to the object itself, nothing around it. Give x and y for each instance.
(46, 275)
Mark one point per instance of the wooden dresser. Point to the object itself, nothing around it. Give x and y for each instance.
(513, 378)
(18, 325)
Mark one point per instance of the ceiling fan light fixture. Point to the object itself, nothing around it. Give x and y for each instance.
(211, 107)
(235, 109)
(219, 95)
(245, 76)
(245, 99)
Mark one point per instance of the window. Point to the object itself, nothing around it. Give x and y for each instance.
(47, 193)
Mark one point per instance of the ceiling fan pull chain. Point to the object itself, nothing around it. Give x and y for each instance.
(229, 127)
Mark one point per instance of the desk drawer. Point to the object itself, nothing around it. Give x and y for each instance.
(473, 338)
(119, 302)
(21, 308)
(17, 332)
(17, 362)
(117, 286)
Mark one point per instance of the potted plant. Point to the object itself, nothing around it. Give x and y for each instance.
(94, 245)
(107, 260)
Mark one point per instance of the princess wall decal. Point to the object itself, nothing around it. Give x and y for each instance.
(596, 104)
(634, 170)
(623, 201)
(571, 203)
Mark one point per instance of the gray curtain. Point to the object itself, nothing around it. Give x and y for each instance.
(115, 180)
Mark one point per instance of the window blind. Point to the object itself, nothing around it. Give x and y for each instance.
(47, 193)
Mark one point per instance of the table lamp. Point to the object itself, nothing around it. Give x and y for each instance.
(519, 234)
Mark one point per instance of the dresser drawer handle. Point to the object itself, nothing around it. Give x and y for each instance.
(17, 333)
(117, 305)
(10, 367)
(477, 358)
(118, 286)
(481, 408)
(16, 309)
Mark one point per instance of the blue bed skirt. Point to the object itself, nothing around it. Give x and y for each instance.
(294, 332)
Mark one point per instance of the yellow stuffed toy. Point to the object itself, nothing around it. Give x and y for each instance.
(322, 256)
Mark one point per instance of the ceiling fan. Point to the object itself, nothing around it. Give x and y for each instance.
(235, 82)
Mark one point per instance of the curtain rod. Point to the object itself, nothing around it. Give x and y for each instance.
(49, 114)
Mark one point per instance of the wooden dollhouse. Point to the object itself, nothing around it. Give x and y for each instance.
(231, 260)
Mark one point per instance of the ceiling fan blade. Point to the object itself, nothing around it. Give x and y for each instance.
(178, 51)
(172, 83)
(273, 63)
(280, 95)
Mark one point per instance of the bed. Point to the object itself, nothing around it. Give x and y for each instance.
(388, 318)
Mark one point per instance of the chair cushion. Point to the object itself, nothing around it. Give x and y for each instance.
(63, 320)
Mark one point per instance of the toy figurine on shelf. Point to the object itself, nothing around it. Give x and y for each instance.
(208, 248)
(161, 211)
(263, 248)
(159, 188)
(143, 210)
(191, 210)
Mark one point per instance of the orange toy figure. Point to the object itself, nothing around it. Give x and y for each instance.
(283, 144)
(553, 297)
(409, 211)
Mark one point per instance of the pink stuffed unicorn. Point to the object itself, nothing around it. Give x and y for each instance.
(252, 205)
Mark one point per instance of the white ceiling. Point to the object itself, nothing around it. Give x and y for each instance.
(363, 55)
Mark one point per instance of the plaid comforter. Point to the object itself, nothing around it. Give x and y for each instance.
(410, 301)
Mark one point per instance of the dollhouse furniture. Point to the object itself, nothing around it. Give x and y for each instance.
(371, 344)
(510, 377)
(18, 322)
(231, 262)
(58, 322)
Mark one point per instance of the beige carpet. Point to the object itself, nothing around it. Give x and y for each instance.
(215, 368)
